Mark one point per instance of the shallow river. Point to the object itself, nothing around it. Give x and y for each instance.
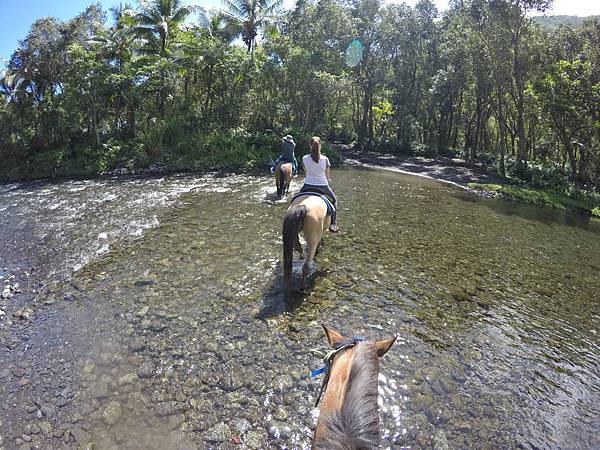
(152, 315)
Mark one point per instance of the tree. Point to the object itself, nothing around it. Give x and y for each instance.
(248, 17)
(159, 21)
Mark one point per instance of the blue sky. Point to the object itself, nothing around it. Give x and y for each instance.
(18, 15)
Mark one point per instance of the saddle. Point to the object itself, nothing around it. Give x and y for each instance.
(330, 207)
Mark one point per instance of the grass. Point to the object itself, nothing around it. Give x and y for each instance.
(538, 197)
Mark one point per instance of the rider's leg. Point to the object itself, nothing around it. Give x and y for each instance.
(330, 194)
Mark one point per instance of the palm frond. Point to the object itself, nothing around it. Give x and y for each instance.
(235, 7)
(182, 13)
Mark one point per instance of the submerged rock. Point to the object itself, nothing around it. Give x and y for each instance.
(146, 370)
(255, 440)
(112, 412)
(130, 378)
(170, 408)
(439, 441)
(219, 433)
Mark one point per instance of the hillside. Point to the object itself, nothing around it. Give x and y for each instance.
(551, 22)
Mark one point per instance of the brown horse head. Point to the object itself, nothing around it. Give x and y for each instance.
(349, 418)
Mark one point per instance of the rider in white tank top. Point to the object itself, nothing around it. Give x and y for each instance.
(315, 172)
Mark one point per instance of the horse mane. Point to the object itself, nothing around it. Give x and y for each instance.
(356, 425)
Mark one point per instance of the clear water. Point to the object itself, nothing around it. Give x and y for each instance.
(183, 337)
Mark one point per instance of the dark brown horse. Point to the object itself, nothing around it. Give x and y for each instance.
(283, 178)
(349, 418)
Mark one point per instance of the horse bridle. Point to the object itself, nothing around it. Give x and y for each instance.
(328, 360)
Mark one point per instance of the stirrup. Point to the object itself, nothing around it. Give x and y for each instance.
(334, 228)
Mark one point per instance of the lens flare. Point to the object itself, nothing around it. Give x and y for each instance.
(354, 53)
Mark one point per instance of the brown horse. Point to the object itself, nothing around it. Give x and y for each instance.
(307, 213)
(349, 418)
(283, 178)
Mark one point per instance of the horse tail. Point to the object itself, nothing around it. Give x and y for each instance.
(292, 224)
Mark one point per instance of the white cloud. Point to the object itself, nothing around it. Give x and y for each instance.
(575, 8)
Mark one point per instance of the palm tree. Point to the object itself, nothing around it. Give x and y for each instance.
(249, 16)
(123, 16)
(159, 20)
(10, 84)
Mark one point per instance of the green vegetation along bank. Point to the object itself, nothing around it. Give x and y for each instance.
(163, 82)
(575, 200)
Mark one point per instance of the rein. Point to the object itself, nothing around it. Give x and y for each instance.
(328, 360)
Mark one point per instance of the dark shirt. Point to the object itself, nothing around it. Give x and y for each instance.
(287, 151)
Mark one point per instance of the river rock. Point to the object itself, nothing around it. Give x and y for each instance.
(17, 371)
(255, 440)
(282, 383)
(170, 408)
(130, 378)
(99, 389)
(137, 345)
(112, 412)
(219, 433)
(280, 414)
(146, 370)
(279, 430)
(240, 426)
(439, 441)
(45, 427)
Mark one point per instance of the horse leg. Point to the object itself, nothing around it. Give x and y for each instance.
(312, 240)
(297, 245)
(288, 181)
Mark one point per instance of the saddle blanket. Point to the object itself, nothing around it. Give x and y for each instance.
(330, 207)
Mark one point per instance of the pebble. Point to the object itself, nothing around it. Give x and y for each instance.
(127, 379)
(170, 408)
(112, 412)
(240, 426)
(137, 345)
(255, 440)
(439, 441)
(280, 414)
(17, 371)
(219, 433)
(146, 370)
(45, 427)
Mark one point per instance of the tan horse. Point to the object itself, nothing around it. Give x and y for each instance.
(307, 213)
(283, 178)
(349, 418)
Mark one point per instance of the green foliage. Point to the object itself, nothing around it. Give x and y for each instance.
(574, 199)
(166, 82)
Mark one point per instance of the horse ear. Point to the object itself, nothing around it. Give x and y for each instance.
(384, 346)
(333, 336)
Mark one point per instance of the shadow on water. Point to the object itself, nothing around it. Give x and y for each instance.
(280, 299)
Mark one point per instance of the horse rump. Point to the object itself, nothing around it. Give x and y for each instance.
(292, 224)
